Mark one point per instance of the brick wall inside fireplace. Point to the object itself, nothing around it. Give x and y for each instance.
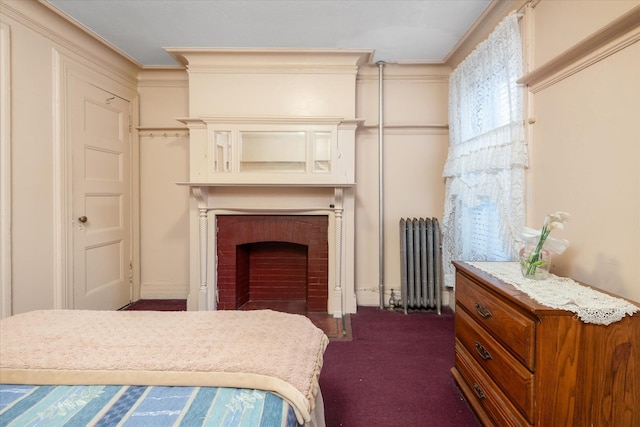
(272, 257)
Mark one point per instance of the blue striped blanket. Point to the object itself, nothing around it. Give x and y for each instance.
(111, 405)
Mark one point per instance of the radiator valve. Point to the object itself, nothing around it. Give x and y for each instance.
(393, 301)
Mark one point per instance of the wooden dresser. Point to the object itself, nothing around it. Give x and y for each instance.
(520, 363)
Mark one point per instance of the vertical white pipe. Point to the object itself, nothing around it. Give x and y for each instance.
(381, 180)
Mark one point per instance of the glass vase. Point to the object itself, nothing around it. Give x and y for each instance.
(535, 262)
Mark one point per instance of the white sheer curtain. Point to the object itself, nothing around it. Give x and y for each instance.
(484, 172)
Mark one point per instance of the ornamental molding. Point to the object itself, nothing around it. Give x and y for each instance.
(610, 39)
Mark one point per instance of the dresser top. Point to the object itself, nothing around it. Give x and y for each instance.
(539, 298)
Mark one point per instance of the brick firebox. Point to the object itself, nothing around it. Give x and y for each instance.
(272, 257)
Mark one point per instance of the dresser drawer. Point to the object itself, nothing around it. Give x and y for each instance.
(584, 374)
(511, 327)
(483, 390)
(513, 378)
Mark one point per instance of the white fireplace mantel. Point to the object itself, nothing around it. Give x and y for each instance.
(272, 131)
(342, 294)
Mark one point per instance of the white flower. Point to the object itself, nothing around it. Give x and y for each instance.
(551, 221)
(556, 224)
(560, 217)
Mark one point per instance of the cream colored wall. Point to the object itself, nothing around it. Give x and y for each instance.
(584, 145)
(415, 149)
(43, 47)
(32, 204)
(559, 25)
(164, 206)
(577, 121)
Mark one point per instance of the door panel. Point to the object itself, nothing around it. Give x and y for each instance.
(99, 132)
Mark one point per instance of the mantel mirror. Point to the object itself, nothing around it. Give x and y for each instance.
(301, 151)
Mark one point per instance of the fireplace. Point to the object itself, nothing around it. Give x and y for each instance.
(272, 134)
(272, 258)
(308, 225)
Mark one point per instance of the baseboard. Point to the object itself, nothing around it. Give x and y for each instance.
(164, 291)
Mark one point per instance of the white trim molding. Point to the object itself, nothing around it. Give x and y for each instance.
(5, 171)
(603, 43)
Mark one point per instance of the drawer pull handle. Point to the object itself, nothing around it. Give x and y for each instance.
(482, 351)
(482, 310)
(479, 391)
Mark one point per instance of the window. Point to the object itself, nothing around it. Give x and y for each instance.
(483, 224)
(484, 205)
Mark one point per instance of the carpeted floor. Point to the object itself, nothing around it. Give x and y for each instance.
(388, 370)
(394, 372)
(158, 305)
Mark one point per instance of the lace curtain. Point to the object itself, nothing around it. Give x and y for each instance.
(484, 172)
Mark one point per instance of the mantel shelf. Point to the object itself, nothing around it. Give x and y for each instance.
(267, 184)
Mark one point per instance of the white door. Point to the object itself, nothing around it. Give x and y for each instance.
(98, 125)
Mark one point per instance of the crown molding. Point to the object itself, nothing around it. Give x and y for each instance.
(613, 37)
(264, 61)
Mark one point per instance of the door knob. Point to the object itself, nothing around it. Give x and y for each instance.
(82, 219)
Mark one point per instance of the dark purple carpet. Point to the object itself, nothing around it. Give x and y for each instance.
(395, 372)
(158, 305)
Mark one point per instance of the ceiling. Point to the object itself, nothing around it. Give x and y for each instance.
(422, 31)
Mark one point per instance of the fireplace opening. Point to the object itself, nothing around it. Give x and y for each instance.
(271, 271)
(281, 259)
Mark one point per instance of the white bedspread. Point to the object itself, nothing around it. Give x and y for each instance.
(260, 349)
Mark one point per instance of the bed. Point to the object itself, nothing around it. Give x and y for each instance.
(217, 368)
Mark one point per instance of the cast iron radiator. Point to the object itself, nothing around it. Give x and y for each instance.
(420, 264)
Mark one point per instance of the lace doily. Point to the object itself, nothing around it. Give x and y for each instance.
(590, 305)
